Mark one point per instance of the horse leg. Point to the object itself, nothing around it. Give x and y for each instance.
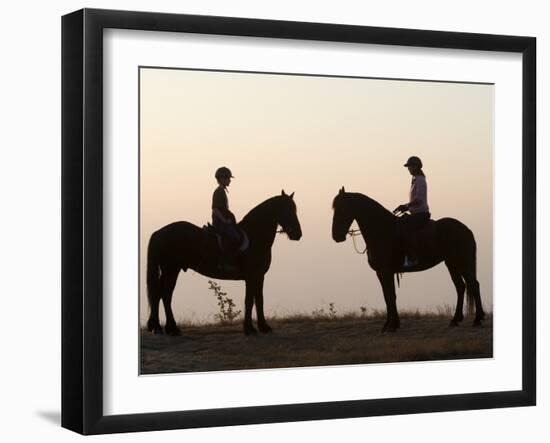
(153, 295)
(474, 296)
(460, 288)
(168, 282)
(259, 301)
(388, 288)
(153, 323)
(251, 289)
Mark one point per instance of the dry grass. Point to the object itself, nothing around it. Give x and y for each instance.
(302, 340)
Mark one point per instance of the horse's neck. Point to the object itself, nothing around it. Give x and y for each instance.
(260, 224)
(373, 219)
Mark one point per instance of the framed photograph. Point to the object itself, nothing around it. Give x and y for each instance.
(269, 221)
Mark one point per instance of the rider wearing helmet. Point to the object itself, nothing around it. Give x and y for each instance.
(223, 219)
(417, 205)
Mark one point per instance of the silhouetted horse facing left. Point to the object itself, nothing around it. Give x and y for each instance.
(445, 240)
(182, 245)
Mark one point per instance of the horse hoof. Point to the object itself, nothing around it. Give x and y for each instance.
(453, 323)
(477, 323)
(154, 327)
(250, 330)
(389, 329)
(173, 331)
(157, 331)
(265, 329)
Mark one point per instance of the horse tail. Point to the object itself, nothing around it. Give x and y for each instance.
(470, 277)
(153, 270)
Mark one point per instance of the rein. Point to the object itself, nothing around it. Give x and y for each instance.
(354, 233)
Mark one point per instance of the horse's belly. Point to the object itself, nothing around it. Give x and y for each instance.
(423, 265)
(213, 271)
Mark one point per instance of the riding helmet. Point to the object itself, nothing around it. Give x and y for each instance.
(223, 172)
(413, 161)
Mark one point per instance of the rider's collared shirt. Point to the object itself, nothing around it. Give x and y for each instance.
(419, 192)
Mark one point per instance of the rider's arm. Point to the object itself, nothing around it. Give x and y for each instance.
(221, 215)
(224, 215)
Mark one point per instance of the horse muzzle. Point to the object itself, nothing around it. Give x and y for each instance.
(339, 238)
(294, 234)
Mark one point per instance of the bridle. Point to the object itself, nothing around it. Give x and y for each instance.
(354, 233)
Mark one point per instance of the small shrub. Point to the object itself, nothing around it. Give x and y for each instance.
(226, 305)
(318, 313)
(363, 311)
(331, 311)
(331, 314)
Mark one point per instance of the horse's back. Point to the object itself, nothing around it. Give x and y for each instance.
(177, 237)
(176, 231)
(178, 227)
(452, 226)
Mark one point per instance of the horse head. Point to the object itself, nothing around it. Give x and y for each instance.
(287, 216)
(343, 216)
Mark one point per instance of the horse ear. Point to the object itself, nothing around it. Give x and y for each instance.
(283, 192)
(291, 195)
(342, 190)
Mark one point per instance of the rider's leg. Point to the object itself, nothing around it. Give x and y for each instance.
(413, 223)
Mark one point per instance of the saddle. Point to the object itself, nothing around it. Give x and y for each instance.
(425, 233)
(419, 243)
(227, 246)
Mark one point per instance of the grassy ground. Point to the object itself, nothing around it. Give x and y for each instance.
(307, 341)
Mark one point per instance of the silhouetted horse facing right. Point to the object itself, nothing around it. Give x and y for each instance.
(182, 245)
(445, 240)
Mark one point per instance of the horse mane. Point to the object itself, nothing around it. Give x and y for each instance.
(366, 203)
(373, 204)
(361, 198)
(261, 209)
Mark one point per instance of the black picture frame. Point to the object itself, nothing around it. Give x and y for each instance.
(82, 219)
